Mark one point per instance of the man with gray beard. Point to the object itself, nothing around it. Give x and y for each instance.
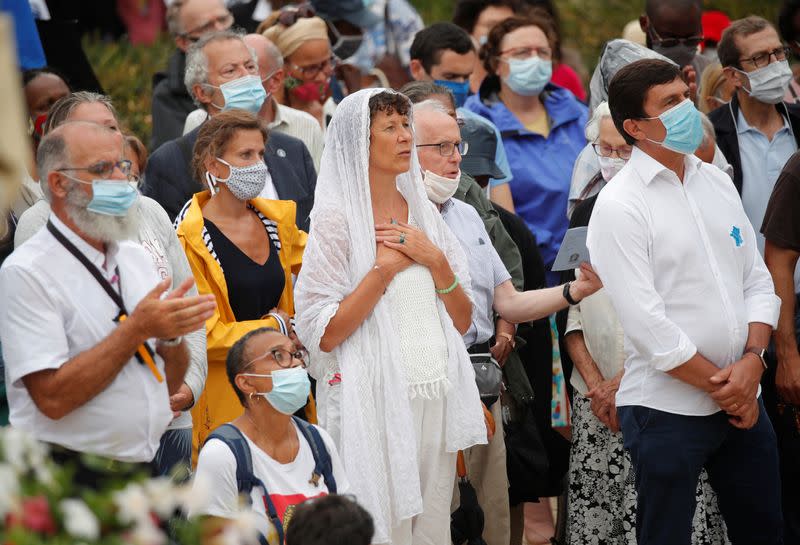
(93, 346)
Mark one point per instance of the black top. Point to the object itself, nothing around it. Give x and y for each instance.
(253, 289)
(781, 220)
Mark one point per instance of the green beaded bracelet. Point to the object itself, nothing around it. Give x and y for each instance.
(447, 290)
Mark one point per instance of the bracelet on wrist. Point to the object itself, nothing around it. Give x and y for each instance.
(450, 288)
(169, 343)
(568, 296)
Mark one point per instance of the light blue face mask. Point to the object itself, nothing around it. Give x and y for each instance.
(460, 90)
(684, 128)
(290, 388)
(527, 77)
(245, 93)
(110, 197)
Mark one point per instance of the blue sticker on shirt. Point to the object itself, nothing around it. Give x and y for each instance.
(736, 234)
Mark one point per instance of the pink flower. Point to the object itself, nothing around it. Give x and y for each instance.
(35, 515)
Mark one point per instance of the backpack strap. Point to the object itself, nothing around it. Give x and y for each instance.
(245, 478)
(323, 466)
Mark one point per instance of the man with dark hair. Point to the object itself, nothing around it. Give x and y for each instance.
(330, 520)
(444, 53)
(698, 307)
(674, 28)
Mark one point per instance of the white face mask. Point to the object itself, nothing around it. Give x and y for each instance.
(769, 84)
(439, 188)
(610, 166)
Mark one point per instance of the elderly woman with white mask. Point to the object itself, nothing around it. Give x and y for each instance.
(382, 302)
(601, 501)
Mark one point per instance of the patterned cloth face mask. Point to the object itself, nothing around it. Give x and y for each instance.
(245, 183)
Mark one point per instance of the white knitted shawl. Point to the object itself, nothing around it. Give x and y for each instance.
(378, 445)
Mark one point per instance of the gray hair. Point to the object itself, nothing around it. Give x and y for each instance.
(61, 111)
(592, 130)
(275, 56)
(431, 105)
(52, 154)
(174, 24)
(197, 61)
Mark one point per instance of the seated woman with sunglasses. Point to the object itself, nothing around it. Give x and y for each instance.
(541, 123)
(267, 374)
(241, 248)
(302, 39)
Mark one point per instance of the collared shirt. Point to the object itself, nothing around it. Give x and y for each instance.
(762, 162)
(53, 310)
(486, 269)
(681, 265)
(301, 125)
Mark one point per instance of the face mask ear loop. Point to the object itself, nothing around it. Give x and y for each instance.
(212, 185)
(789, 120)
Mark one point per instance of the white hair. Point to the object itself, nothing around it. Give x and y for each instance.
(197, 61)
(100, 226)
(431, 105)
(592, 130)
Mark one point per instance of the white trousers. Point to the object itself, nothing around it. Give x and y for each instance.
(437, 470)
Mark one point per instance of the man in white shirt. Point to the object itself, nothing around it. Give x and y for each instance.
(680, 262)
(92, 345)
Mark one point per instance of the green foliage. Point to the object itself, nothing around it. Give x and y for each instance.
(126, 72)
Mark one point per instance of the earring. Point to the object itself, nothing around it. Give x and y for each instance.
(252, 396)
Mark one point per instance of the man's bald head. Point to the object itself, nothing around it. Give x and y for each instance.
(269, 56)
(431, 118)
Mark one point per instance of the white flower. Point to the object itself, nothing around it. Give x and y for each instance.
(14, 448)
(79, 521)
(132, 505)
(194, 497)
(145, 533)
(162, 495)
(9, 484)
(246, 525)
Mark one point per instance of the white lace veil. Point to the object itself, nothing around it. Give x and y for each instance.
(377, 444)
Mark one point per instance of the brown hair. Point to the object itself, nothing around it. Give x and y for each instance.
(388, 102)
(490, 52)
(133, 143)
(727, 51)
(215, 134)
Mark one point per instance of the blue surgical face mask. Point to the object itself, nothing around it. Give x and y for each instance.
(684, 128)
(245, 93)
(527, 77)
(460, 90)
(290, 388)
(110, 197)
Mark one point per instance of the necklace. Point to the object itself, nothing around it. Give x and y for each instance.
(272, 453)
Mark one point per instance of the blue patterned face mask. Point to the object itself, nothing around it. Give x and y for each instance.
(110, 197)
(245, 93)
(684, 128)
(527, 77)
(460, 90)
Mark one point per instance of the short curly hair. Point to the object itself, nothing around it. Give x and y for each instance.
(214, 135)
(389, 102)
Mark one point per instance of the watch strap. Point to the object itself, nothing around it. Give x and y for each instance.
(567, 296)
(760, 352)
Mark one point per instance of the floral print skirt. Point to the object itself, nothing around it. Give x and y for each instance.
(601, 501)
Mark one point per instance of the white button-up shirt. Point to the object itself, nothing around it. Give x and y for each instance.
(52, 310)
(681, 265)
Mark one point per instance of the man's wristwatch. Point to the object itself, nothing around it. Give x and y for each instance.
(567, 296)
(760, 352)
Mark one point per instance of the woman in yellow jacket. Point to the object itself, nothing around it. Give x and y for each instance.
(242, 249)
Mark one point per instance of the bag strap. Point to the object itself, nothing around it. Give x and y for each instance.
(245, 478)
(323, 466)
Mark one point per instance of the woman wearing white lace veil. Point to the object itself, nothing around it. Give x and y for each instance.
(382, 300)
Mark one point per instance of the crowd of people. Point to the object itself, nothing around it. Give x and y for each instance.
(329, 294)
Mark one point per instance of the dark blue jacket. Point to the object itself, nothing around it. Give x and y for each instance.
(168, 179)
(541, 167)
